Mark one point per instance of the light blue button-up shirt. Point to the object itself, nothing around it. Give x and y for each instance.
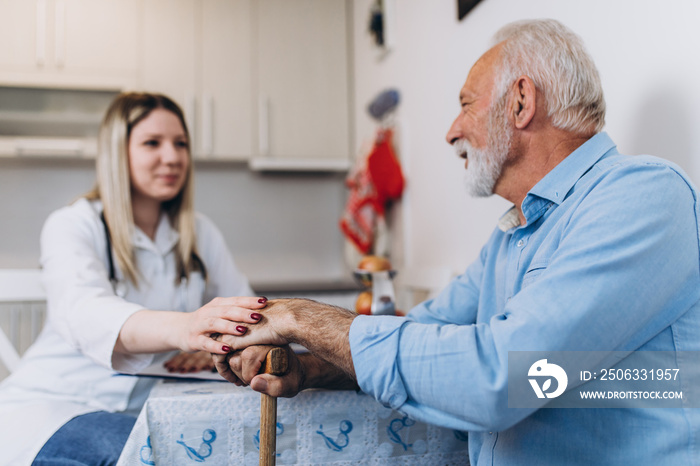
(608, 260)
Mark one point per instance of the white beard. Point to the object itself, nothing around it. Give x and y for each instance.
(485, 165)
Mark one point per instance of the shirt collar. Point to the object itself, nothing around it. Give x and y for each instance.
(165, 240)
(556, 185)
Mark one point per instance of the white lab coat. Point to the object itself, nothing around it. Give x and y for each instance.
(70, 369)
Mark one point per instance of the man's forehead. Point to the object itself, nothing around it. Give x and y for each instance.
(476, 83)
(480, 77)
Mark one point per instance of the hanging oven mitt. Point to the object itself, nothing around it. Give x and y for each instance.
(375, 182)
(385, 170)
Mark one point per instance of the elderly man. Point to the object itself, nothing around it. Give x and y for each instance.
(598, 254)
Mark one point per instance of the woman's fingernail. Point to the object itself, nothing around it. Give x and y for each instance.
(262, 300)
(226, 348)
(255, 316)
(241, 329)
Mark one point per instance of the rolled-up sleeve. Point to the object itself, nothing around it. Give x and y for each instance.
(400, 360)
(374, 341)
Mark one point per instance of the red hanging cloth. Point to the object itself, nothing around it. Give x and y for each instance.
(372, 187)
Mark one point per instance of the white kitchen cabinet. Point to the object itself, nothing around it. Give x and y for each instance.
(261, 80)
(198, 52)
(168, 55)
(69, 43)
(18, 34)
(226, 128)
(301, 64)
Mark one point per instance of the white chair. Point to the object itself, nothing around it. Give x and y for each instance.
(22, 308)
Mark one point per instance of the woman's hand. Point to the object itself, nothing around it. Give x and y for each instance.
(221, 316)
(271, 329)
(148, 331)
(322, 329)
(243, 368)
(190, 362)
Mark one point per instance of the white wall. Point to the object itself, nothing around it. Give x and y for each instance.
(282, 229)
(647, 54)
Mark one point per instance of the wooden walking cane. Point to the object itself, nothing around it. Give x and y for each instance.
(276, 364)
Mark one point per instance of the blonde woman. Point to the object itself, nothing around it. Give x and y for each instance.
(127, 269)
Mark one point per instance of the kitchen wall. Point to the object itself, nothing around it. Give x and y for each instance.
(647, 55)
(282, 228)
(246, 98)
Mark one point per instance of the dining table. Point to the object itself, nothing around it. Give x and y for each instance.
(189, 422)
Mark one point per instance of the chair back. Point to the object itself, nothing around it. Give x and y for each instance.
(22, 312)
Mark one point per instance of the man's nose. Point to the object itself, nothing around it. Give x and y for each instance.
(455, 132)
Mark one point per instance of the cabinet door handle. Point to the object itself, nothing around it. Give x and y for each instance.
(264, 125)
(190, 108)
(40, 32)
(60, 23)
(207, 125)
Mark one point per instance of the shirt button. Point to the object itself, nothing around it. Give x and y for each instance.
(521, 243)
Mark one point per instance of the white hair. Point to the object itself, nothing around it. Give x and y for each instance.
(556, 60)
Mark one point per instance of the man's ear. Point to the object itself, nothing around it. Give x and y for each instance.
(524, 101)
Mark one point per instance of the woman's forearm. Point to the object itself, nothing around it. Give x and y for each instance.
(149, 331)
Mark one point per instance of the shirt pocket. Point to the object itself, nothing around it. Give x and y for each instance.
(533, 272)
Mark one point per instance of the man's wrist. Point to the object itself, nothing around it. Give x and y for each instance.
(318, 373)
(291, 322)
(308, 371)
(321, 328)
(308, 317)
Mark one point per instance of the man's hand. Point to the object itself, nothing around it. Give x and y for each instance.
(321, 328)
(244, 367)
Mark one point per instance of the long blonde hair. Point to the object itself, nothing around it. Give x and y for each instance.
(113, 185)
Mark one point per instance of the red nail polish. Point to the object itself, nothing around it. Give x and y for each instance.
(255, 316)
(262, 300)
(241, 329)
(226, 348)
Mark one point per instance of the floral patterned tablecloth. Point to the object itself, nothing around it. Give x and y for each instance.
(215, 423)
